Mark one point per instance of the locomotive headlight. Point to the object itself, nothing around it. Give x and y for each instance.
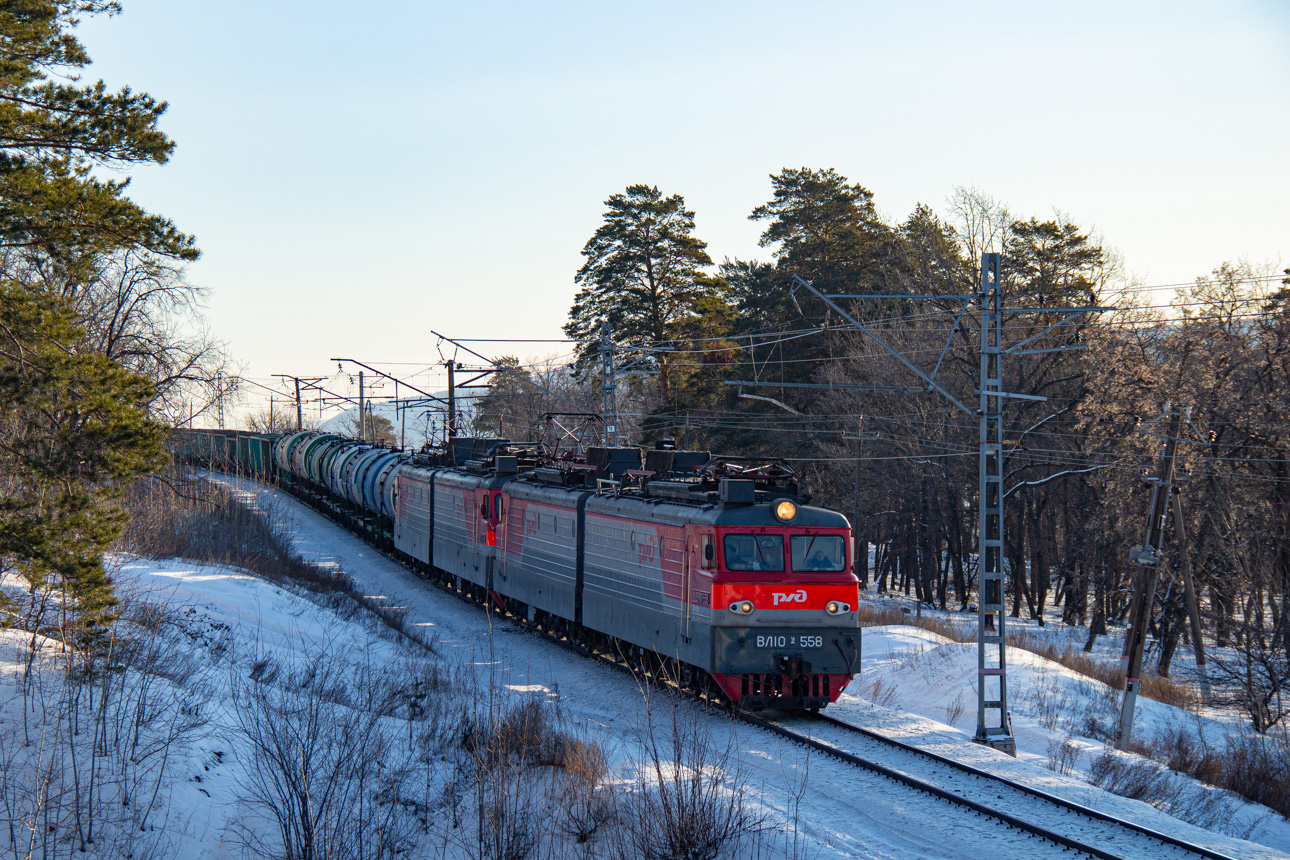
(742, 607)
(785, 511)
(833, 607)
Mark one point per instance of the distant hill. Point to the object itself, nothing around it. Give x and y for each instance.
(412, 420)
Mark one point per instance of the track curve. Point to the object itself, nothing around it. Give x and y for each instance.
(1021, 806)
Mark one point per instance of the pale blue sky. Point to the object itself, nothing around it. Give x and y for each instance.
(357, 175)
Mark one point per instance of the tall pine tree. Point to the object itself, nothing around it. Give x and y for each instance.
(643, 274)
(73, 424)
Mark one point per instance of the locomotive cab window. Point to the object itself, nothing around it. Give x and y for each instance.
(818, 552)
(754, 552)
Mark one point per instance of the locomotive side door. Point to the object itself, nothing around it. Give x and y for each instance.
(687, 568)
(477, 534)
(500, 525)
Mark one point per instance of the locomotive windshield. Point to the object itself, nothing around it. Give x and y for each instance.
(754, 552)
(818, 552)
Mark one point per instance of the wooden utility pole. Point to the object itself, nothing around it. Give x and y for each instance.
(1147, 557)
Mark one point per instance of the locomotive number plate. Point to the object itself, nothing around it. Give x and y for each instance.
(790, 641)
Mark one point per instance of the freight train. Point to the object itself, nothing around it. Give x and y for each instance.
(713, 570)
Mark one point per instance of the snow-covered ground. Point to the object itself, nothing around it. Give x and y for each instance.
(234, 625)
(925, 684)
(923, 691)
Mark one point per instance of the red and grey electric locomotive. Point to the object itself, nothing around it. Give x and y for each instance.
(718, 566)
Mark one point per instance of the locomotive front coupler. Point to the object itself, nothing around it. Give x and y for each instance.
(793, 666)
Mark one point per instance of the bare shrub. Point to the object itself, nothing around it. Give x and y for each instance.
(1256, 769)
(879, 692)
(688, 798)
(1184, 750)
(508, 816)
(954, 709)
(584, 802)
(88, 765)
(331, 778)
(1063, 755)
(1129, 776)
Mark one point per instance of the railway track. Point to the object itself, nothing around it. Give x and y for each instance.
(1064, 823)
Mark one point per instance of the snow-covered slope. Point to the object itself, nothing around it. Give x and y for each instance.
(238, 633)
(603, 698)
(926, 684)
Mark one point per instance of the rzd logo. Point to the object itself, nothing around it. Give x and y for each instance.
(646, 550)
(798, 596)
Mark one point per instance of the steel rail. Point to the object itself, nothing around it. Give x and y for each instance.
(934, 790)
(1027, 789)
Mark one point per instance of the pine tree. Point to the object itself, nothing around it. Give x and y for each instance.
(54, 133)
(824, 228)
(73, 424)
(1053, 262)
(643, 274)
(72, 430)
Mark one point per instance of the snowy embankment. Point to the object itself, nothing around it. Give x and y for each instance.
(234, 652)
(919, 687)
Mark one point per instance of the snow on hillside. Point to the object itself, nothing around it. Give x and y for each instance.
(598, 699)
(925, 684)
(239, 652)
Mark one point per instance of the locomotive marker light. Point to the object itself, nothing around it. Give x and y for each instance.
(744, 607)
(785, 511)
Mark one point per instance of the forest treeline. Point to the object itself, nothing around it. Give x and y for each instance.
(903, 463)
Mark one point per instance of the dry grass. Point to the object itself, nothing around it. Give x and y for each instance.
(178, 515)
(879, 616)
(528, 732)
(1210, 808)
